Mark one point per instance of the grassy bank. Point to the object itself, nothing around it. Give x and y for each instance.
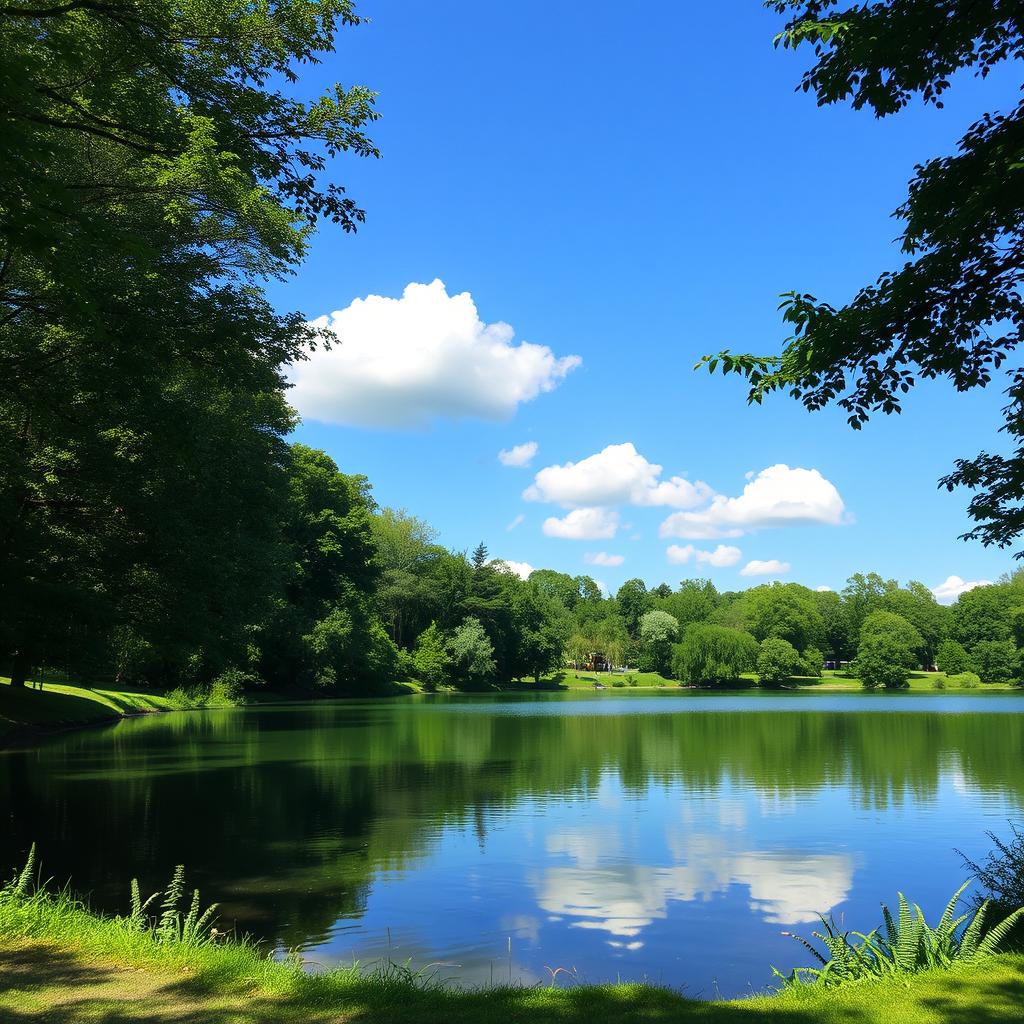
(830, 682)
(24, 711)
(62, 964)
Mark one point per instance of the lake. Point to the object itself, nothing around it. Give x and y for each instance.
(672, 838)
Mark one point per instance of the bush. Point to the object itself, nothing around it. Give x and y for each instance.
(952, 658)
(996, 661)
(813, 662)
(777, 660)
(938, 683)
(883, 660)
(619, 683)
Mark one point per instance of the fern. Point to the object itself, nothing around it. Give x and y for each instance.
(909, 944)
(171, 926)
(24, 880)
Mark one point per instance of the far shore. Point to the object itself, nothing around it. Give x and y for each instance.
(28, 713)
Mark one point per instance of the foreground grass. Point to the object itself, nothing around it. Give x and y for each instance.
(61, 964)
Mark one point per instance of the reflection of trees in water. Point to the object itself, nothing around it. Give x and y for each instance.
(285, 815)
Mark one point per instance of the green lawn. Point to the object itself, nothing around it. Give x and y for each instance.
(830, 682)
(62, 965)
(58, 705)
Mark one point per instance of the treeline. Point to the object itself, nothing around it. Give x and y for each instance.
(874, 628)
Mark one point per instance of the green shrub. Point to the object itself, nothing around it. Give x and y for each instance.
(938, 683)
(618, 683)
(952, 658)
(909, 945)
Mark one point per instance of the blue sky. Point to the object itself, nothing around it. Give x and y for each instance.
(634, 187)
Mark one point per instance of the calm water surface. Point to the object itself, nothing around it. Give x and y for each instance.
(672, 838)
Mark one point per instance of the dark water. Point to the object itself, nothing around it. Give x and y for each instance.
(671, 838)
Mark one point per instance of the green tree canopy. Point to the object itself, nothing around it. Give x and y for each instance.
(777, 660)
(710, 654)
(955, 308)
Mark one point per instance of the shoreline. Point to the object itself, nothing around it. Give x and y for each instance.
(63, 961)
(70, 709)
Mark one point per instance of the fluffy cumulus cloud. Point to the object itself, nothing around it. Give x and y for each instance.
(618, 475)
(948, 591)
(603, 558)
(823, 589)
(771, 567)
(724, 555)
(583, 524)
(777, 496)
(520, 569)
(518, 455)
(403, 362)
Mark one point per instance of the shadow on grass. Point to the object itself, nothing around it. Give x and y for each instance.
(25, 709)
(42, 982)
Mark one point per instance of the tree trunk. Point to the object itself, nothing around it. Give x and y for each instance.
(19, 668)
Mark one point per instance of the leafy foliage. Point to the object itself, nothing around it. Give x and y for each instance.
(955, 308)
(777, 660)
(908, 945)
(710, 654)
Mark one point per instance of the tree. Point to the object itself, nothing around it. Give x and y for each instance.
(777, 660)
(812, 662)
(407, 552)
(917, 604)
(952, 658)
(887, 650)
(633, 600)
(955, 309)
(785, 610)
(984, 613)
(432, 659)
(996, 661)
(694, 601)
(883, 661)
(658, 632)
(141, 483)
(895, 625)
(472, 655)
(322, 630)
(710, 654)
(863, 594)
(612, 638)
(836, 624)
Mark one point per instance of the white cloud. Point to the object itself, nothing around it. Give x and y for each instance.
(618, 474)
(403, 362)
(771, 567)
(518, 521)
(777, 496)
(954, 586)
(823, 590)
(603, 558)
(518, 455)
(583, 524)
(520, 569)
(722, 556)
(622, 899)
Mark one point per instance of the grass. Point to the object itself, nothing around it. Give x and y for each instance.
(59, 705)
(61, 964)
(830, 682)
